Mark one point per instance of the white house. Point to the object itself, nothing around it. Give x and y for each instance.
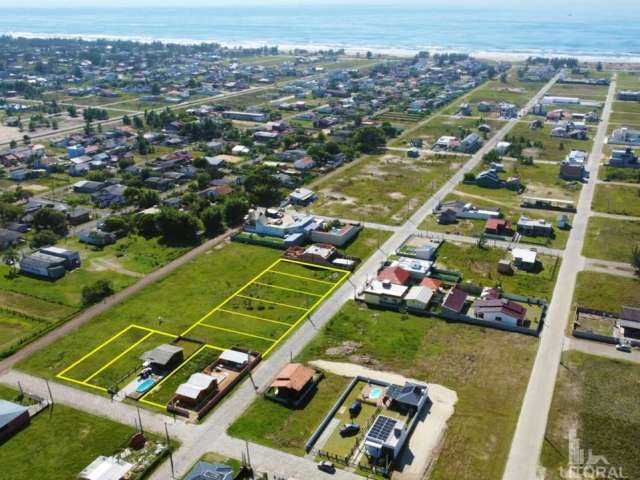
(418, 297)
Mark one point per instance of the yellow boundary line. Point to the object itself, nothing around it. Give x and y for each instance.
(82, 359)
(272, 303)
(236, 332)
(237, 293)
(231, 312)
(115, 359)
(191, 357)
(305, 315)
(302, 292)
(301, 277)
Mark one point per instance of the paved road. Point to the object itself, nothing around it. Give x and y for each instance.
(527, 442)
(108, 303)
(211, 435)
(600, 349)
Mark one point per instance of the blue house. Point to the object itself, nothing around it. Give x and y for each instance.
(75, 151)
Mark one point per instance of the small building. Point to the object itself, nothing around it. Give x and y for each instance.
(97, 238)
(504, 267)
(524, 258)
(500, 310)
(624, 158)
(43, 266)
(455, 300)
(384, 293)
(334, 233)
(471, 143)
(302, 196)
(106, 468)
(385, 438)
(573, 167)
(489, 179)
(196, 389)
(502, 148)
(534, 227)
(396, 275)
(9, 238)
(163, 358)
(210, 471)
(13, 418)
(418, 297)
(499, 226)
(71, 257)
(292, 384)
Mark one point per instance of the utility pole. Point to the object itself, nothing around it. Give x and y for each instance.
(166, 431)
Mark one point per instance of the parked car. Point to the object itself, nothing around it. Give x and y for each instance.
(327, 467)
(355, 408)
(623, 347)
(349, 429)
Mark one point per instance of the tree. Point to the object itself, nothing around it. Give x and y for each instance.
(148, 198)
(43, 238)
(369, 139)
(13, 144)
(178, 227)
(9, 212)
(126, 120)
(96, 292)
(72, 111)
(50, 219)
(137, 123)
(211, 218)
(116, 224)
(235, 208)
(491, 157)
(155, 89)
(146, 225)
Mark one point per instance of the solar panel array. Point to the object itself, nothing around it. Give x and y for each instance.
(382, 428)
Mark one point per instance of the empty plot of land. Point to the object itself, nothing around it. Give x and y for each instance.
(617, 199)
(609, 239)
(547, 147)
(605, 292)
(384, 189)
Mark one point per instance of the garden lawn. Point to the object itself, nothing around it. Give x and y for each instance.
(609, 239)
(597, 397)
(366, 243)
(617, 174)
(617, 199)
(59, 443)
(602, 291)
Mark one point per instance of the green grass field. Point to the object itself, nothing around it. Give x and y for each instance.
(441, 125)
(609, 239)
(384, 189)
(588, 92)
(616, 174)
(602, 291)
(598, 398)
(617, 199)
(59, 443)
(479, 266)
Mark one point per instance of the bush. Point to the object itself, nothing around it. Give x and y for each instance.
(100, 290)
(43, 238)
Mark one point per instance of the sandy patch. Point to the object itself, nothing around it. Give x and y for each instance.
(396, 195)
(421, 451)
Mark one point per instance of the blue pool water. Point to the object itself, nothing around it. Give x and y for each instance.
(375, 393)
(146, 385)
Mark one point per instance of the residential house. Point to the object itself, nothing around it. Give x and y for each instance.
(524, 258)
(292, 384)
(214, 471)
(534, 227)
(625, 136)
(71, 257)
(43, 266)
(418, 297)
(629, 96)
(624, 158)
(106, 468)
(500, 310)
(471, 143)
(489, 179)
(499, 226)
(447, 143)
(384, 293)
(455, 300)
(396, 275)
(9, 238)
(109, 196)
(573, 167)
(98, 238)
(163, 358)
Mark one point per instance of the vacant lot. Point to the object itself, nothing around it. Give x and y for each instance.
(488, 370)
(587, 92)
(59, 443)
(596, 398)
(441, 125)
(602, 291)
(617, 199)
(479, 266)
(609, 239)
(384, 189)
(616, 174)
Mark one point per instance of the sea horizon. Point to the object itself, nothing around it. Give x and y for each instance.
(511, 35)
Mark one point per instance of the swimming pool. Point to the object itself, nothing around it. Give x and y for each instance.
(375, 393)
(146, 385)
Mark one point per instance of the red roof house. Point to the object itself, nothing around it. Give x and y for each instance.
(395, 275)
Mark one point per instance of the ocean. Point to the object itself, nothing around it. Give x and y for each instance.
(524, 28)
